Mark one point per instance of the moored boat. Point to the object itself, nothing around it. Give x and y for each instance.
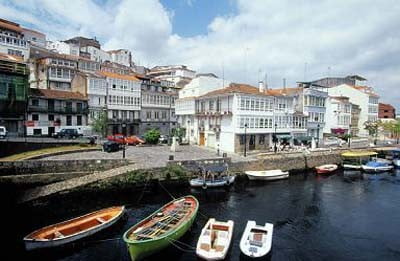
(355, 159)
(256, 240)
(164, 226)
(213, 176)
(267, 174)
(377, 166)
(215, 239)
(73, 229)
(328, 168)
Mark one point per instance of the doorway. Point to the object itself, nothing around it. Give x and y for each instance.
(252, 142)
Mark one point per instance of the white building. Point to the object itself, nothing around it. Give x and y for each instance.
(63, 47)
(363, 96)
(121, 56)
(230, 117)
(123, 103)
(12, 40)
(34, 37)
(179, 74)
(338, 115)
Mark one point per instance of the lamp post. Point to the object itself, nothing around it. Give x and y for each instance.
(124, 141)
(245, 141)
(318, 135)
(275, 139)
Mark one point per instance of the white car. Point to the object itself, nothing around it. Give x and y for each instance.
(334, 141)
(3, 132)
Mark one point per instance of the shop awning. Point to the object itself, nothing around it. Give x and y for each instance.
(303, 138)
(283, 136)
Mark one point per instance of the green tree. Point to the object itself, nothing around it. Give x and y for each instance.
(152, 136)
(179, 132)
(99, 124)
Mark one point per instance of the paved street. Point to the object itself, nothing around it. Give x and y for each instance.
(152, 156)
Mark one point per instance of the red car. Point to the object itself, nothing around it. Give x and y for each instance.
(121, 139)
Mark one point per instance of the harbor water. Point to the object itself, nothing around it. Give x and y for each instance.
(343, 216)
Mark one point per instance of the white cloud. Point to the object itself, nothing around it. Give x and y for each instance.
(278, 37)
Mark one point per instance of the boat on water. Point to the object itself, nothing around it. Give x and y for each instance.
(377, 166)
(213, 176)
(73, 229)
(325, 169)
(215, 239)
(161, 228)
(267, 174)
(355, 159)
(256, 240)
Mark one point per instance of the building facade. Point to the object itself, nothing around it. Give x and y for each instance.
(13, 93)
(338, 113)
(123, 103)
(239, 116)
(12, 40)
(355, 119)
(363, 96)
(121, 56)
(157, 106)
(50, 110)
(386, 111)
(180, 75)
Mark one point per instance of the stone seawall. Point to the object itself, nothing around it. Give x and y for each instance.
(8, 168)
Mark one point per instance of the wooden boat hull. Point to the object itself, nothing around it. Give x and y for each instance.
(141, 249)
(197, 183)
(325, 169)
(35, 243)
(256, 250)
(258, 175)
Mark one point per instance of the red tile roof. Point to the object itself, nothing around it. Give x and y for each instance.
(119, 76)
(11, 58)
(10, 26)
(56, 94)
(248, 89)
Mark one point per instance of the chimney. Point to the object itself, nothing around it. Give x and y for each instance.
(261, 86)
(284, 83)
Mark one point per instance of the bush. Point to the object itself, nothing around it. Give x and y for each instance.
(152, 136)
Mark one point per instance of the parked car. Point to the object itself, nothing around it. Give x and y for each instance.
(111, 146)
(334, 141)
(121, 139)
(3, 132)
(67, 133)
(163, 139)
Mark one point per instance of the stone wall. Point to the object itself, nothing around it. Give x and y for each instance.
(57, 166)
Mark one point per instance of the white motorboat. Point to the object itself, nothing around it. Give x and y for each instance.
(215, 239)
(210, 183)
(256, 240)
(267, 174)
(377, 166)
(396, 162)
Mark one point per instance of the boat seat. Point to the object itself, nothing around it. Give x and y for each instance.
(58, 234)
(101, 220)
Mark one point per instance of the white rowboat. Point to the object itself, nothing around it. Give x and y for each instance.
(267, 174)
(256, 240)
(215, 239)
(211, 183)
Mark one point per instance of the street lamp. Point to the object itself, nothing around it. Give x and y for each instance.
(245, 141)
(318, 135)
(275, 139)
(124, 139)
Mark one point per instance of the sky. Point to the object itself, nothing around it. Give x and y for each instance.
(245, 40)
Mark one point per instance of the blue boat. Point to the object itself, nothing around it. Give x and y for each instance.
(377, 166)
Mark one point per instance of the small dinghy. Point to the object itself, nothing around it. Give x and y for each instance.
(256, 240)
(267, 174)
(73, 229)
(213, 176)
(215, 239)
(328, 168)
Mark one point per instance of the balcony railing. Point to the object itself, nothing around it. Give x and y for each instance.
(58, 109)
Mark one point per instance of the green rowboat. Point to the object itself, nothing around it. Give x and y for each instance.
(164, 226)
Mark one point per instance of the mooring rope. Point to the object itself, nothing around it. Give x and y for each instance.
(173, 241)
(166, 190)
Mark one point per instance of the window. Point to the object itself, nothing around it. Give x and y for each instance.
(79, 107)
(51, 117)
(35, 117)
(79, 120)
(148, 114)
(241, 139)
(69, 120)
(35, 102)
